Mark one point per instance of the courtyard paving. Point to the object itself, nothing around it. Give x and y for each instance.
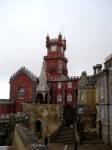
(60, 146)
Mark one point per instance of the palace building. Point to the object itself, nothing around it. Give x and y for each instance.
(91, 95)
(60, 88)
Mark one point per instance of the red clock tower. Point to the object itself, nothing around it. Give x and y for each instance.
(62, 88)
(56, 62)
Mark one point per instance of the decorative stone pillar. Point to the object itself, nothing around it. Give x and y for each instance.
(53, 96)
(64, 96)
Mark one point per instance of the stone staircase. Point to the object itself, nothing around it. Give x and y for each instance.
(67, 135)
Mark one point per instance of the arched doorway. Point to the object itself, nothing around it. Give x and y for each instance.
(46, 99)
(100, 129)
(39, 98)
(38, 128)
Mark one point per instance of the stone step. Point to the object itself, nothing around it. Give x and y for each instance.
(67, 135)
(66, 140)
(91, 141)
(63, 136)
(66, 132)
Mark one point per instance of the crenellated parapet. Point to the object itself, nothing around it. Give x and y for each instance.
(54, 40)
(86, 87)
(86, 82)
(26, 71)
(18, 117)
(59, 41)
(64, 78)
(6, 102)
(74, 77)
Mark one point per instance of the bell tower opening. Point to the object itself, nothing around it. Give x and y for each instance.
(39, 98)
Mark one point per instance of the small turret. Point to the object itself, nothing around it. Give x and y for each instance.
(84, 75)
(64, 43)
(47, 41)
(60, 39)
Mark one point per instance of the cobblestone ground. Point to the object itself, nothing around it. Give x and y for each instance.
(59, 146)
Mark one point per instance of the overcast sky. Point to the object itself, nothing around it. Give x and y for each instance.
(24, 24)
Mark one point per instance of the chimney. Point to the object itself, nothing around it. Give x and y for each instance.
(97, 68)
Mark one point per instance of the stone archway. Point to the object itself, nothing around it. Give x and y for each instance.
(39, 98)
(100, 129)
(38, 128)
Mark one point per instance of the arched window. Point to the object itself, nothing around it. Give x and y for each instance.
(59, 97)
(101, 91)
(102, 112)
(21, 93)
(69, 97)
(59, 85)
(52, 65)
(82, 96)
(69, 85)
(60, 64)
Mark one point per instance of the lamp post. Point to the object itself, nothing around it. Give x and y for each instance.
(26, 122)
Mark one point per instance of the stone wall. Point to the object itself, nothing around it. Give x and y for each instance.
(23, 140)
(89, 96)
(49, 116)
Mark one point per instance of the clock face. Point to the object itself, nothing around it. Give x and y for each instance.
(53, 48)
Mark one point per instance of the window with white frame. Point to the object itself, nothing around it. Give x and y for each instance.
(69, 97)
(60, 64)
(102, 112)
(82, 96)
(59, 97)
(59, 85)
(21, 93)
(69, 85)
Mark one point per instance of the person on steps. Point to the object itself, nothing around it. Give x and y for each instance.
(46, 140)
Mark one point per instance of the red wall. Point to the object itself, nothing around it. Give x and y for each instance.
(64, 84)
(22, 80)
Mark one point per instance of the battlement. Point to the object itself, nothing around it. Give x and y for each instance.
(86, 82)
(26, 71)
(18, 117)
(58, 41)
(54, 40)
(63, 78)
(6, 101)
(73, 77)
